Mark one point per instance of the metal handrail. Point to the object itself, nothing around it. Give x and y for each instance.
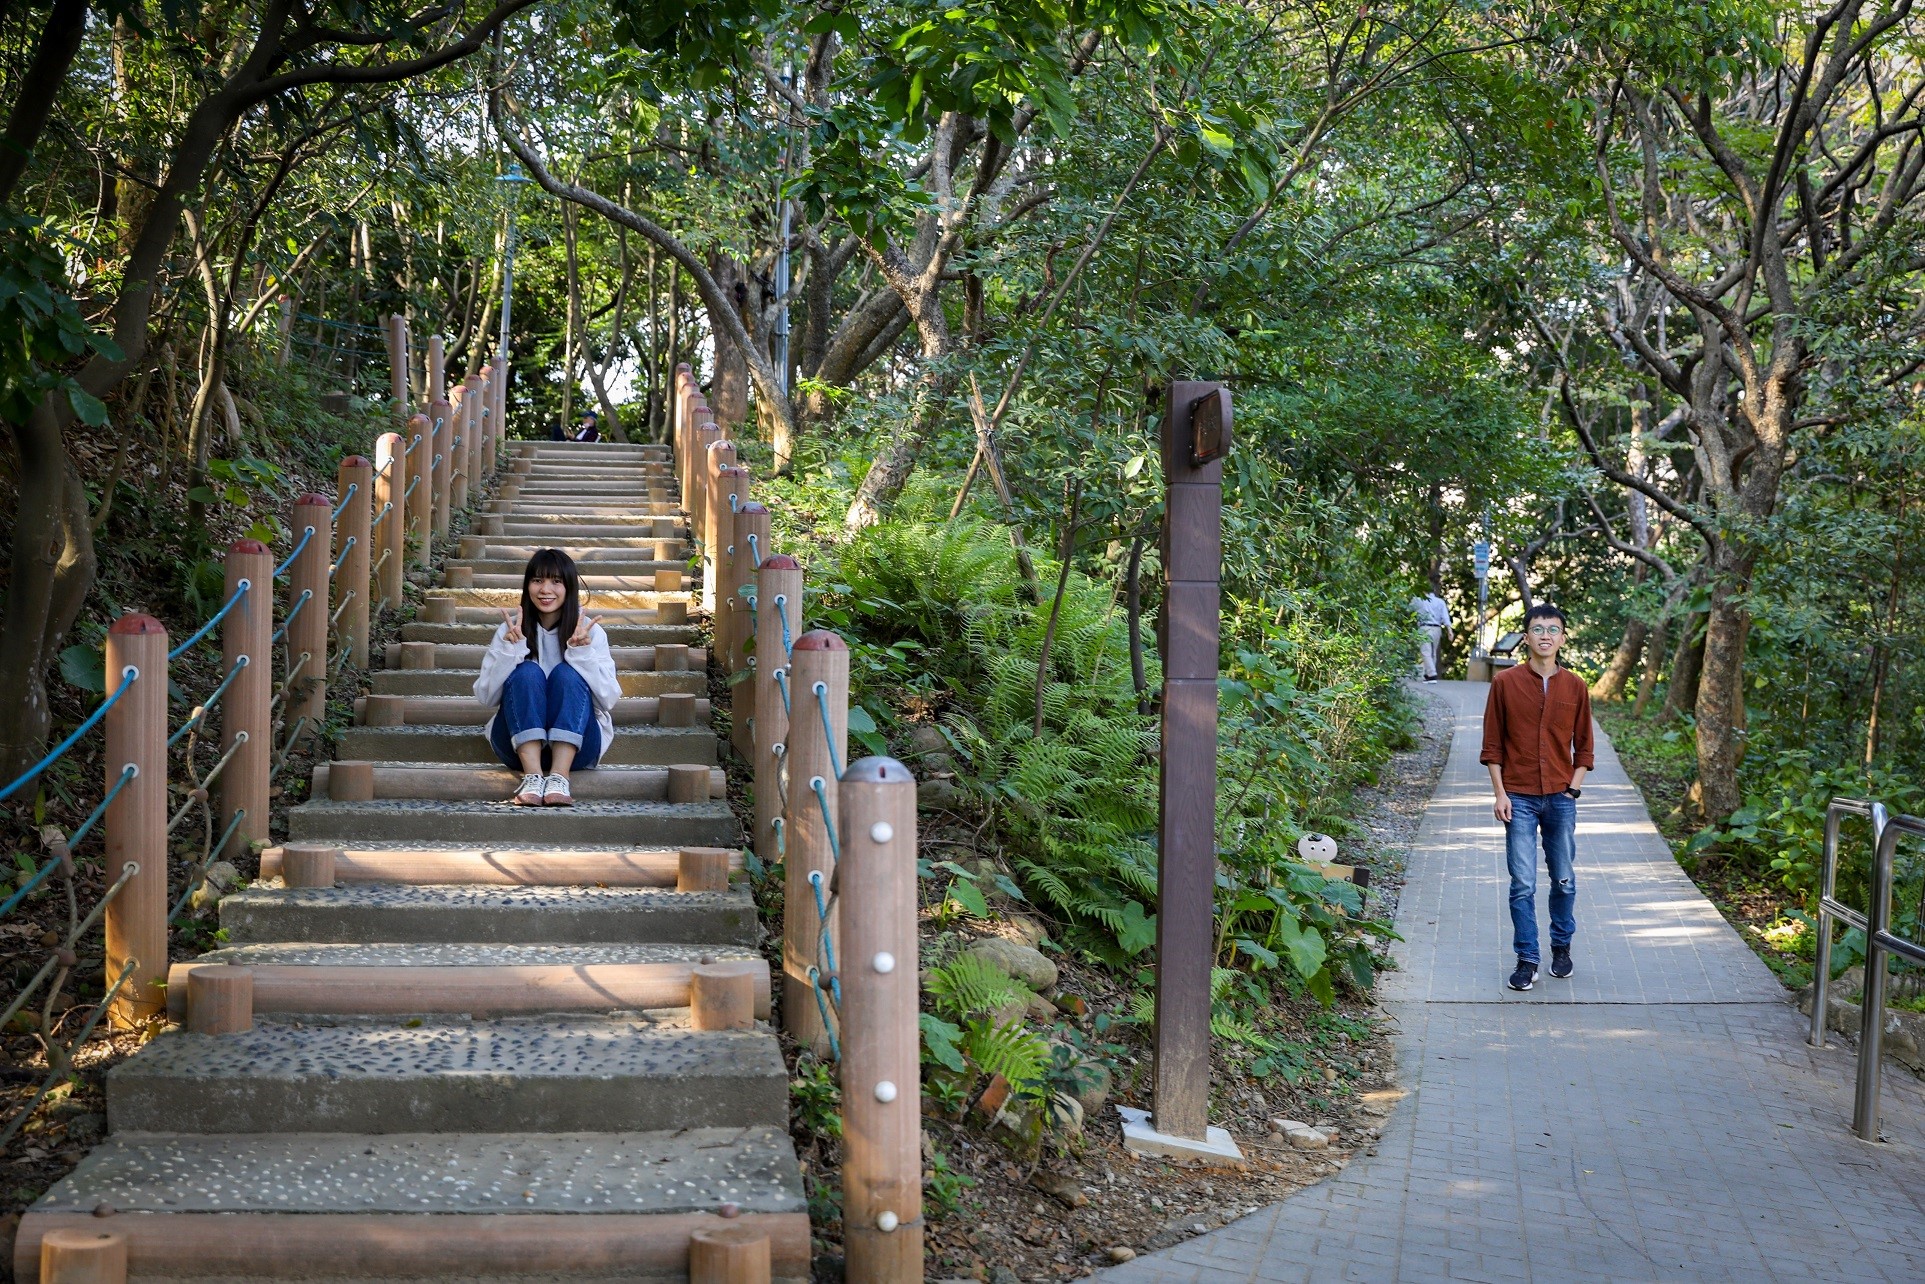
(1830, 907)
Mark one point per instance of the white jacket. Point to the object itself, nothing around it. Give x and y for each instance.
(594, 662)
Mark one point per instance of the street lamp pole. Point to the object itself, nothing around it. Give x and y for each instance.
(513, 182)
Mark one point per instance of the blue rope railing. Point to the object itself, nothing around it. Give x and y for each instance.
(292, 611)
(240, 591)
(306, 535)
(207, 705)
(755, 550)
(346, 499)
(782, 609)
(127, 773)
(828, 822)
(782, 683)
(127, 677)
(821, 690)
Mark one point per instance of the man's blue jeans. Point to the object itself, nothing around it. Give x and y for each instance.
(1555, 815)
(555, 707)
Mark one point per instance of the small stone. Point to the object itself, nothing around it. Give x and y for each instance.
(730, 1209)
(104, 1210)
(1308, 1139)
(1066, 1113)
(1026, 929)
(1020, 962)
(1329, 1075)
(1287, 1125)
(1040, 1009)
(937, 795)
(1122, 1253)
(50, 938)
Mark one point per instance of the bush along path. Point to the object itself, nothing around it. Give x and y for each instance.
(451, 1037)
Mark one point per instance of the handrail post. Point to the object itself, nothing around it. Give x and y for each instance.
(500, 433)
(437, 369)
(1821, 959)
(307, 631)
(476, 406)
(707, 433)
(390, 521)
(882, 1225)
(351, 590)
(247, 634)
(420, 504)
(718, 523)
(751, 532)
(1871, 1012)
(398, 362)
(136, 732)
(778, 589)
(680, 424)
(441, 461)
(818, 658)
(460, 444)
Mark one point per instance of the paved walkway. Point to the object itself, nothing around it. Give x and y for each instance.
(1657, 1117)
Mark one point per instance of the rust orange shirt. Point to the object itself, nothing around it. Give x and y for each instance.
(1537, 738)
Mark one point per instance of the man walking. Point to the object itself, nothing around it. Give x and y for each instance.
(1537, 744)
(1433, 626)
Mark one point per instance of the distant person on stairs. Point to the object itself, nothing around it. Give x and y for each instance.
(1538, 746)
(590, 429)
(551, 679)
(1433, 628)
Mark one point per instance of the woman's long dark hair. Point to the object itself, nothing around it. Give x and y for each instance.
(551, 564)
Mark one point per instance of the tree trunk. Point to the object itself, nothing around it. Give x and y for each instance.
(50, 571)
(1721, 692)
(729, 392)
(1610, 684)
(36, 90)
(1685, 667)
(1653, 662)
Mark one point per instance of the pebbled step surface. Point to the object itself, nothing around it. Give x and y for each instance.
(710, 824)
(464, 954)
(647, 745)
(559, 1074)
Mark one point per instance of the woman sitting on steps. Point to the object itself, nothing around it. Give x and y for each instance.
(552, 700)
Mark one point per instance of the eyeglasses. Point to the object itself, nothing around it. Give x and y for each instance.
(1545, 630)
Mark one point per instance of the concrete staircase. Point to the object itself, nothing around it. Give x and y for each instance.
(472, 1057)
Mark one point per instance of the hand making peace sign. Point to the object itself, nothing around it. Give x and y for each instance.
(584, 631)
(513, 619)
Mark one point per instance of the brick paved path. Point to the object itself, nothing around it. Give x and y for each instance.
(1657, 1117)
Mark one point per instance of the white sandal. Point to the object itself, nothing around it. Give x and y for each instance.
(555, 792)
(530, 792)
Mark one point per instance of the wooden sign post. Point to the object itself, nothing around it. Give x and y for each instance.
(1196, 433)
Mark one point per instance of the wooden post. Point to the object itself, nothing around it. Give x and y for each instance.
(485, 439)
(881, 1079)
(82, 1255)
(220, 1000)
(351, 589)
(441, 464)
(137, 818)
(721, 997)
(420, 503)
(819, 658)
(309, 864)
(719, 522)
(728, 1255)
(437, 370)
(460, 441)
(248, 631)
(707, 433)
(390, 517)
(398, 351)
(702, 869)
(751, 535)
(1192, 560)
(778, 589)
(688, 782)
(307, 630)
(476, 406)
(681, 424)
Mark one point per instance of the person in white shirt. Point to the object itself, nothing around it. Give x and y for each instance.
(550, 677)
(1433, 626)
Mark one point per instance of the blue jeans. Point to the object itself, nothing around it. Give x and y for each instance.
(1556, 816)
(555, 708)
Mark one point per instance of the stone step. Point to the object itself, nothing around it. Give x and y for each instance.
(539, 483)
(478, 632)
(627, 588)
(645, 745)
(471, 978)
(531, 865)
(520, 548)
(534, 1074)
(466, 711)
(409, 914)
(489, 571)
(567, 533)
(598, 452)
(614, 523)
(466, 824)
(460, 682)
(590, 1208)
(460, 782)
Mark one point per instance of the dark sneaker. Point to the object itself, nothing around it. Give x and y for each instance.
(1525, 976)
(1561, 961)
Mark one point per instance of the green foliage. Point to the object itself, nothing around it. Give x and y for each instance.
(969, 986)
(42, 332)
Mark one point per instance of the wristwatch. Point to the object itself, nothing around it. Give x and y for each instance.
(1574, 792)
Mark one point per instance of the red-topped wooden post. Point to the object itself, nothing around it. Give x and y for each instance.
(351, 591)
(441, 464)
(707, 433)
(247, 634)
(390, 517)
(750, 538)
(136, 820)
(419, 489)
(477, 385)
(1196, 432)
(718, 520)
(818, 681)
(460, 442)
(307, 611)
(778, 595)
(437, 369)
(881, 1043)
